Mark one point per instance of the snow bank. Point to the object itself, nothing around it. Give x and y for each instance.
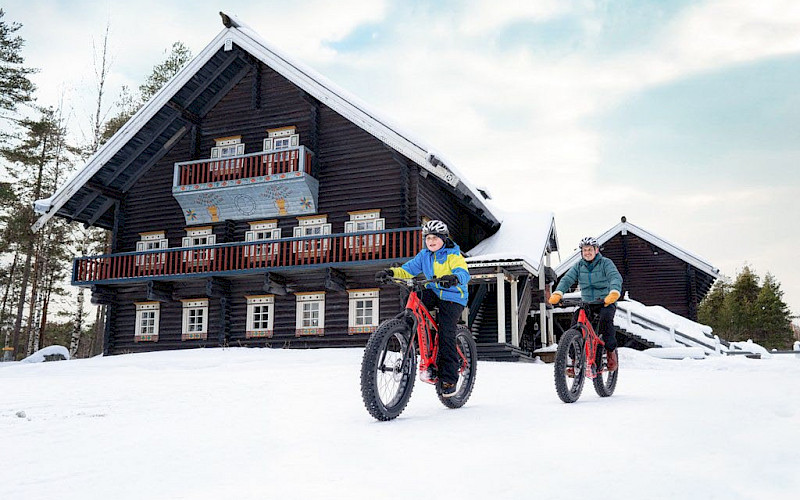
(53, 350)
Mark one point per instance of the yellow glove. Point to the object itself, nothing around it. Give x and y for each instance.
(611, 297)
(555, 298)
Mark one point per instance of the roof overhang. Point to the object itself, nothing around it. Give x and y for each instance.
(625, 228)
(168, 116)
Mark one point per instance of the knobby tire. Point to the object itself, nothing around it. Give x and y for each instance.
(467, 374)
(386, 385)
(606, 381)
(570, 355)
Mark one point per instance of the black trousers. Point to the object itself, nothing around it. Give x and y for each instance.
(449, 313)
(605, 328)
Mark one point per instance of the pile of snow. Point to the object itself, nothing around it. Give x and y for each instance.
(57, 352)
(269, 423)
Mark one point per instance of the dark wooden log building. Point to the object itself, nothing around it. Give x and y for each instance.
(654, 271)
(251, 203)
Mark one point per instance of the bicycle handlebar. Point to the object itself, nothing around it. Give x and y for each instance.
(580, 302)
(411, 282)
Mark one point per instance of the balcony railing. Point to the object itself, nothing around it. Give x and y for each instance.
(248, 258)
(264, 163)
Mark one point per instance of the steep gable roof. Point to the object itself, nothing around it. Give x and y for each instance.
(626, 227)
(89, 194)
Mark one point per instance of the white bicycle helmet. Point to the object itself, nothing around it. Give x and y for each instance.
(588, 242)
(436, 227)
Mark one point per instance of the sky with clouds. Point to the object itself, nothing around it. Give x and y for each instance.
(682, 115)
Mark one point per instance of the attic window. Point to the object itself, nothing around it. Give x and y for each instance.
(281, 138)
(227, 147)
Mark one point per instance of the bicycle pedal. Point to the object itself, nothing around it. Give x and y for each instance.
(428, 377)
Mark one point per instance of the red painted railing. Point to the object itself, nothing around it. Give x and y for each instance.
(296, 159)
(248, 257)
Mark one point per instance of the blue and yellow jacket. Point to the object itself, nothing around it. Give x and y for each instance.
(446, 260)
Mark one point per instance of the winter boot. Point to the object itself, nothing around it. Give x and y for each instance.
(611, 358)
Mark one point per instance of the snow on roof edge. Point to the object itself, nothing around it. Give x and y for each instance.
(675, 250)
(305, 78)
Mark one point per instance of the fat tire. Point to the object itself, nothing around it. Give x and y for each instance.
(570, 346)
(397, 332)
(466, 382)
(605, 382)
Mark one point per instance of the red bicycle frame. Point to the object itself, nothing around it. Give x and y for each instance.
(426, 328)
(427, 333)
(590, 341)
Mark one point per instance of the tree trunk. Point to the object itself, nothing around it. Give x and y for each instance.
(9, 286)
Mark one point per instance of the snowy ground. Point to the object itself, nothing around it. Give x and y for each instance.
(282, 424)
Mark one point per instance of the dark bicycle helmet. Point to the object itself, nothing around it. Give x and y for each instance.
(589, 242)
(436, 227)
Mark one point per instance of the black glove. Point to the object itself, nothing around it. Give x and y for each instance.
(383, 275)
(448, 280)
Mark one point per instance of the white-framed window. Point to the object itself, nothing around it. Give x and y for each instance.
(227, 147)
(199, 237)
(312, 225)
(364, 311)
(147, 317)
(310, 318)
(264, 230)
(154, 240)
(260, 315)
(365, 220)
(195, 319)
(281, 138)
(227, 150)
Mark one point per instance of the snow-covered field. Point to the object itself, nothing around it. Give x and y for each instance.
(283, 424)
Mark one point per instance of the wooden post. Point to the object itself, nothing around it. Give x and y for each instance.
(542, 309)
(501, 307)
(514, 313)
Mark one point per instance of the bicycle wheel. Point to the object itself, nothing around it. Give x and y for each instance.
(387, 382)
(569, 370)
(606, 381)
(466, 373)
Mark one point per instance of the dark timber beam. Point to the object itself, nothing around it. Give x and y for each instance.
(335, 280)
(87, 200)
(106, 191)
(159, 291)
(211, 79)
(146, 144)
(100, 212)
(275, 283)
(156, 157)
(223, 91)
(102, 295)
(185, 113)
(217, 287)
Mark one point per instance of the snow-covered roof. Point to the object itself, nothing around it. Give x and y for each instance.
(305, 78)
(522, 237)
(625, 227)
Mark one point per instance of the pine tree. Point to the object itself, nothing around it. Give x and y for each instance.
(772, 316)
(712, 310)
(741, 305)
(15, 84)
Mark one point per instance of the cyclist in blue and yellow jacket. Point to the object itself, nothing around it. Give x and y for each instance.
(441, 258)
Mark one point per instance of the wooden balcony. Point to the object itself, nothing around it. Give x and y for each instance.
(338, 250)
(249, 166)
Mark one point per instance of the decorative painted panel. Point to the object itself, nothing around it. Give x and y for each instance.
(293, 193)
